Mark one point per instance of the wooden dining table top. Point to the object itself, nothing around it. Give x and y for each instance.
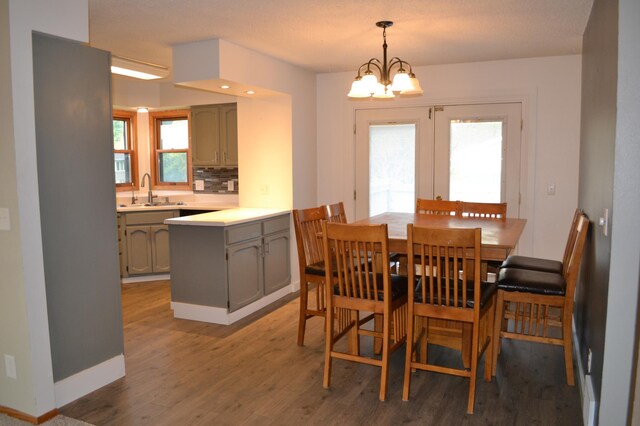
(499, 236)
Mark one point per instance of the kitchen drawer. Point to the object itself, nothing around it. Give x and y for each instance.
(280, 223)
(246, 232)
(149, 217)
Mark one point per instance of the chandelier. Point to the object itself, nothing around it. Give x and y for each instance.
(368, 84)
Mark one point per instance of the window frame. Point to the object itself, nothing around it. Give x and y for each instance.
(155, 118)
(130, 119)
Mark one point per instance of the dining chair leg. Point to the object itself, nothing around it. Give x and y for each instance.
(473, 373)
(497, 329)
(568, 348)
(302, 321)
(384, 374)
(328, 348)
(410, 352)
(488, 355)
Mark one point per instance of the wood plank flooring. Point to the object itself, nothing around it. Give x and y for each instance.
(182, 372)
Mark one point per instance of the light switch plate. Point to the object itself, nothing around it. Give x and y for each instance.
(230, 185)
(5, 222)
(199, 185)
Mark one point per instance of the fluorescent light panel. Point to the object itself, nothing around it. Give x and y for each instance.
(137, 69)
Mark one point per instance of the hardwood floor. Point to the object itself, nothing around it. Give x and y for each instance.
(183, 372)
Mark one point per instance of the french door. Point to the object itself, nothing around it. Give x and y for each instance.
(467, 152)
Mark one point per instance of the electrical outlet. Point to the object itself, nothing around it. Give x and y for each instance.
(230, 185)
(551, 189)
(10, 366)
(199, 185)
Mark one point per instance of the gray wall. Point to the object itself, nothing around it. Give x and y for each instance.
(598, 133)
(624, 278)
(72, 85)
(607, 305)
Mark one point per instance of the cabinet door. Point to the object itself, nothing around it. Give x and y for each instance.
(244, 267)
(160, 248)
(139, 250)
(205, 136)
(229, 134)
(277, 271)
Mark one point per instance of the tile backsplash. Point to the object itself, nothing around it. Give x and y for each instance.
(218, 180)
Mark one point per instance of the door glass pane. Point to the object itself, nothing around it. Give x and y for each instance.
(174, 134)
(475, 168)
(392, 168)
(172, 166)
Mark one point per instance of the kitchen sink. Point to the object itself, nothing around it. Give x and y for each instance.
(155, 204)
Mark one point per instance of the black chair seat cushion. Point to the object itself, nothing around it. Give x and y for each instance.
(399, 286)
(536, 282)
(533, 263)
(487, 290)
(315, 268)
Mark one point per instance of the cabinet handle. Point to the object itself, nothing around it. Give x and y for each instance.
(266, 248)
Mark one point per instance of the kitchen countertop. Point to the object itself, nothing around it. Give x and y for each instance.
(226, 217)
(185, 206)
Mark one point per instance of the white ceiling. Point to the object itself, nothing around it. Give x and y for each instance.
(340, 35)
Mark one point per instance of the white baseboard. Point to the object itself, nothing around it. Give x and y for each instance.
(585, 385)
(145, 278)
(222, 315)
(86, 381)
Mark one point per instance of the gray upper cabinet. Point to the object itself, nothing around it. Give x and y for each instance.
(214, 135)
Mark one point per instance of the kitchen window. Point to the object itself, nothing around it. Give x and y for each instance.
(124, 150)
(170, 136)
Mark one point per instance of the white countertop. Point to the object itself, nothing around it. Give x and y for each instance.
(185, 206)
(226, 217)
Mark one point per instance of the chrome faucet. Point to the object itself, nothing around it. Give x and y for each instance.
(150, 194)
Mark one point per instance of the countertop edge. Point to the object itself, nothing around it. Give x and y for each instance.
(225, 218)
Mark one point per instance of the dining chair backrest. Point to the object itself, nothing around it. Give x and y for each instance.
(572, 266)
(484, 210)
(571, 239)
(447, 266)
(308, 226)
(438, 207)
(357, 253)
(336, 213)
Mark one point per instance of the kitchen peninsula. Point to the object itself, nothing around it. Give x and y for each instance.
(228, 264)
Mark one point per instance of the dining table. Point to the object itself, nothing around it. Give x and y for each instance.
(499, 237)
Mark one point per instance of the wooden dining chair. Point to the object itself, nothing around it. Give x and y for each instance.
(484, 210)
(438, 207)
(308, 226)
(357, 259)
(547, 265)
(540, 304)
(448, 287)
(336, 213)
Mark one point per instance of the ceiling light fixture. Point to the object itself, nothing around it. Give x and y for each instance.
(250, 92)
(225, 86)
(367, 84)
(137, 69)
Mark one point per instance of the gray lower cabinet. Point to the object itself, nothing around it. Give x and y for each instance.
(147, 242)
(230, 267)
(257, 260)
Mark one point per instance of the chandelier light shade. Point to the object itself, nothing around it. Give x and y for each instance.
(381, 86)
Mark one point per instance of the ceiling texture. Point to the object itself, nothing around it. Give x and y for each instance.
(339, 35)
